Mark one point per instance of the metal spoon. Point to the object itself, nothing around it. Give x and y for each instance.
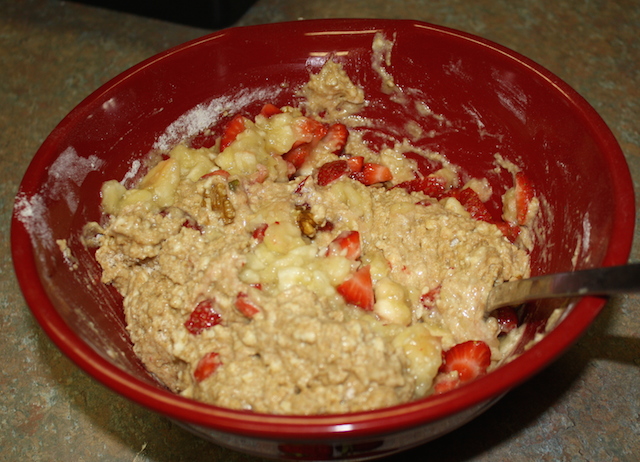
(598, 281)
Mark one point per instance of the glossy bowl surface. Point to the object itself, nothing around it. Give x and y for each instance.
(495, 101)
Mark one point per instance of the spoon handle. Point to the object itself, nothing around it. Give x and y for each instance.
(598, 281)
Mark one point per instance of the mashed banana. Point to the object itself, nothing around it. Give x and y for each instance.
(288, 269)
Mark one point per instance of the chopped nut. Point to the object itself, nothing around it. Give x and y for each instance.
(220, 202)
(306, 222)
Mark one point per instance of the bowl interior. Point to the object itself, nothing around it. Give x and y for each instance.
(483, 99)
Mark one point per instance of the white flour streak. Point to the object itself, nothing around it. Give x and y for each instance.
(70, 166)
(133, 171)
(34, 215)
(586, 232)
(511, 95)
(206, 115)
(67, 170)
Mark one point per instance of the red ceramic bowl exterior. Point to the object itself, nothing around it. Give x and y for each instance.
(497, 101)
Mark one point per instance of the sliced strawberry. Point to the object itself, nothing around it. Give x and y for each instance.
(191, 223)
(433, 186)
(246, 306)
(428, 299)
(473, 204)
(269, 110)
(415, 185)
(358, 289)
(298, 189)
(355, 163)
(444, 383)
(327, 227)
(189, 220)
(308, 130)
(509, 230)
(373, 173)
(331, 171)
(507, 318)
(470, 359)
(524, 194)
(347, 244)
(223, 173)
(336, 138)
(298, 155)
(202, 317)
(207, 366)
(231, 131)
(258, 233)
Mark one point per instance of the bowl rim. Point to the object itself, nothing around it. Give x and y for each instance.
(381, 421)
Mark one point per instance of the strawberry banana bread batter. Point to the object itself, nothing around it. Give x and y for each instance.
(289, 269)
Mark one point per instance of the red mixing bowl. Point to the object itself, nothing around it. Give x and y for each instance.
(496, 102)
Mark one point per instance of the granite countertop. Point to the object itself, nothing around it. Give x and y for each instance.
(585, 406)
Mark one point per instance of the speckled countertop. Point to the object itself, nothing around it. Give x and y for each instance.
(586, 406)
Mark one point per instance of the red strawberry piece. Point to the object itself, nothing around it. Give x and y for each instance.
(509, 230)
(347, 244)
(355, 163)
(428, 299)
(507, 318)
(202, 317)
(433, 186)
(246, 306)
(327, 227)
(331, 171)
(336, 138)
(358, 289)
(191, 223)
(444, 383)
(231, 131)
(309, 130)
(223, 173)
(269, 110)
(296, 156)
(470, 359)
(258, 233)
(473, 204)
(524, 194)
(358, 176)
(410, 186)
(298, 189)
(373, 173)
(207, 366)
